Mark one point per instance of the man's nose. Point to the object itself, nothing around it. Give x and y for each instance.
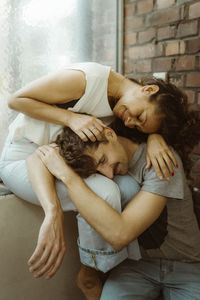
(107, 171)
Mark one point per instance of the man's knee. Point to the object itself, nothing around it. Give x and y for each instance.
(107, 189)
(128, 188)
(112, 195)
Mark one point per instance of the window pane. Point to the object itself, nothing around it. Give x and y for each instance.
(40, 36)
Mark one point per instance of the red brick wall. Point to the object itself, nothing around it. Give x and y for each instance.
(103, 32)
(164, 36)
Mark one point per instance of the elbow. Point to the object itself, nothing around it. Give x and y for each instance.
(30, 159)
(117, 245)
(12, 102)
(120, 241)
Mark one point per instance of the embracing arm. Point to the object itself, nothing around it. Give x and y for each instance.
(37, 98)
(117, 229)
(160, 156)
(51, 244)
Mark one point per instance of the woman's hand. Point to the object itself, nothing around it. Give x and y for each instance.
(51, 246)
(160, 156)
(86, 127)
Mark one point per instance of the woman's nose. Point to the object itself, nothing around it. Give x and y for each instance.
(130, 122)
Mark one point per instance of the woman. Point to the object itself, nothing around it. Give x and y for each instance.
(102, 93)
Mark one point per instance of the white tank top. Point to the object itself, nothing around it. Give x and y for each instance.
(94, 102)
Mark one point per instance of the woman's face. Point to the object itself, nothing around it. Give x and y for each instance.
(135, 110)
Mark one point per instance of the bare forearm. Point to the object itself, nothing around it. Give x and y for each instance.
(43, 184)
(118, 229)
(51, 244)
(97, 212)
(40, 111)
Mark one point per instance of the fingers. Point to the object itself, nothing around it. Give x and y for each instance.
(92, 133)
(148, 162)
(157, 168)
(163, 171)
(56, 265)
(39, 260)
(45, 150)
(36, 254)
(50, 249)
(51, 265)
(86, 127)
(172, 158)
(163, 166)
(160, 156)
(47, 261)
(42, 151)
(100, 123)
(82, 135)
(167, 166)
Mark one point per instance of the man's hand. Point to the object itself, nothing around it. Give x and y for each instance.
(49, 154)
(51, 247)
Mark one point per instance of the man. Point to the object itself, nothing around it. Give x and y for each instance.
(160, 215)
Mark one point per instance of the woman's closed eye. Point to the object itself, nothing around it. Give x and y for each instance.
(102, 160)
(140, 118)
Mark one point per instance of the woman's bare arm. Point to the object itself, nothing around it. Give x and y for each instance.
(36, 98)
(160, 156)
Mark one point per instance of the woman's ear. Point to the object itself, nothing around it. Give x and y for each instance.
(110, 134)
(150, 89)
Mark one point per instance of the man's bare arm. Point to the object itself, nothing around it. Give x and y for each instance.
(118, 229)
(51, 244)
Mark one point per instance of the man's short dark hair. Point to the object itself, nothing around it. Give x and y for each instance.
(72, 148)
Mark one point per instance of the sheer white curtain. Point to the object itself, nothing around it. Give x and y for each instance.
(40, 36)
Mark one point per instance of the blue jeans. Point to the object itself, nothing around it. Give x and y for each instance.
(100, 255)
(94, 250)
(146, 278)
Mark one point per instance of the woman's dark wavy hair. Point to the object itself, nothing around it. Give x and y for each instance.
(180, 127)
(72, 147)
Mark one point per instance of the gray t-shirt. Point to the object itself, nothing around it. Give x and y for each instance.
(175, 234)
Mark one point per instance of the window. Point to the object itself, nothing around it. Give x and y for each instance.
(40, 36)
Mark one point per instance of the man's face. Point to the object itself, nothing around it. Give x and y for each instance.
(111, 159)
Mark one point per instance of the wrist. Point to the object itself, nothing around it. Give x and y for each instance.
(52, 207)
(70, 179)
(53, 211)
(67, 117)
